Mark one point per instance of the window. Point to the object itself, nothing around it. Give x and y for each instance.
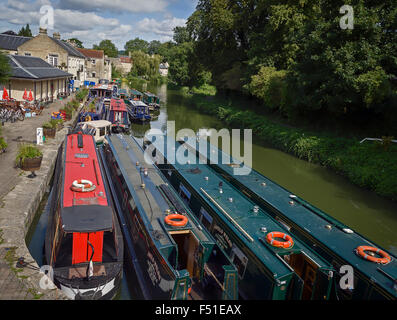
(93, 61)
(93, 74)
(205, 218)
(239, 260)
(53, 59)
(185, 194)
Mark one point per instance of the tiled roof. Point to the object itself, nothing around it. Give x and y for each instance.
(90, 53)
(72, 51)
(34, 68)
(125, 59)
(9, 42)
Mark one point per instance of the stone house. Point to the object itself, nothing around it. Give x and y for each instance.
(9, 43)
(35, 74)
(57, 53)
(97, 65)
(163, 69)
(123, 64)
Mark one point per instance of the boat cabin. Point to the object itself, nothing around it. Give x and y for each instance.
(84, 243)
(375, 269)
(136, 95)
(117, 114)
(101, 91)
(98, 129)
(151, 99)
(139, 111)
(173, 255)
(272, 263)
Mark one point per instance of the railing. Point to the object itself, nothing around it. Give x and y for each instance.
(376, 139)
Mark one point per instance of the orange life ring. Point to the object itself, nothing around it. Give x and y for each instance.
(385, 257)
(82, 186)
(176, 220)
(287, 244)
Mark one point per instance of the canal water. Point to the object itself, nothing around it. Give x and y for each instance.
(363, 211)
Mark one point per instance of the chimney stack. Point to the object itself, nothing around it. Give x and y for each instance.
(57, 36)
(43, 31)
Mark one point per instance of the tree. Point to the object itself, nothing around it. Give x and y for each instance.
(5, 69)
(181, 35)
(77, 43)
(154, 47)
(141, 65)
(108, 47)
(180, 62)
(25, 31)
(137, 45)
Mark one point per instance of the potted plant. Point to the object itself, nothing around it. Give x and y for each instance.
(29, 158)
(49, 130)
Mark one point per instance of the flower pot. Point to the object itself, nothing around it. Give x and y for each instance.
(49, 133)
(33, 164)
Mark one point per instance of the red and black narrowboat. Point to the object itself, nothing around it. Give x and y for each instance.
(117, 114)
(84, 244)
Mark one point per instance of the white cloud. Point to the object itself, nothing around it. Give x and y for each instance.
(163, 28)
(115, 5)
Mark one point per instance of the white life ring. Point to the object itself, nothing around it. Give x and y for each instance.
(83, 186)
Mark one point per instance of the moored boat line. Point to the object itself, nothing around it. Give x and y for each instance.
(267, 269)
(174, 257)
(333, 240)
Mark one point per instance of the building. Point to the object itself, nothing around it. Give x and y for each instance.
(163, 69)
(57, 53)
(122, 64)
(9, 43)
(97, 65)
(35, 74)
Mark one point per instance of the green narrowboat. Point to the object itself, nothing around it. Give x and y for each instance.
(375, 269)
(173, 256)
(123, 93)
(242, 229)
(136, 95)
(151, 100)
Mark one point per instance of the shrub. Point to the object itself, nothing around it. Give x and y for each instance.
(3, 144)
(27, 151)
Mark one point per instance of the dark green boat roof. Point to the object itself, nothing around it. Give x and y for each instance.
(149, 200)
(135, 92)
(247, 224)
(314, 222)
(149, 94)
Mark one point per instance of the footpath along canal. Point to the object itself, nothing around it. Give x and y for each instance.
(363, 211)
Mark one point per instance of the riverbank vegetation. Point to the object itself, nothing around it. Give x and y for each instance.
(372, 165)
(295, 58)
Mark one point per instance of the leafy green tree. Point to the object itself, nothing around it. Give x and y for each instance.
(25, 31)
(141, 65)
(154, 47)
(181, 35)
(179, 60)
(5, 69)
(77, 43)
(137, 45)
(108, 47)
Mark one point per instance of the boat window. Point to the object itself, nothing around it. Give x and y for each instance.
(239, 260)
(205, 218)
(102, 131)
(185, 194)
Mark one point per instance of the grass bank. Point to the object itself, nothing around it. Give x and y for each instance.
(371, 165)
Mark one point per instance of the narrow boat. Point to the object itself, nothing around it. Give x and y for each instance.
(375, 269)
(173, 256)
(102, 91)
(123, 94)
(136, 95)
(117, 114)
(139, 111)
(272, 264)
(151, 100)
(84, 244)
(98, 129)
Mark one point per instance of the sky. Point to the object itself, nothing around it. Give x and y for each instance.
(92, 21)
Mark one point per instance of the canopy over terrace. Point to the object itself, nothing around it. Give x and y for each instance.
(35, 75)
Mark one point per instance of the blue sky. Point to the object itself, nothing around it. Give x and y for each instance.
(94, 20)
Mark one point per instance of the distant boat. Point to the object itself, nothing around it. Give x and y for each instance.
(84, 243)
(98, 129)
(151, 100)
(173, 256)
(139, 111)
(136, 95)
(117, 114)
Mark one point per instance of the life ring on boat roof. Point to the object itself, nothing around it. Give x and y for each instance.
(83, 186)
(176, 220)
(288, 242)
(385, 257)
(87, 119)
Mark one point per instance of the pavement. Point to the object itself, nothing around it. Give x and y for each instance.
(19, 200)
(14, 134)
